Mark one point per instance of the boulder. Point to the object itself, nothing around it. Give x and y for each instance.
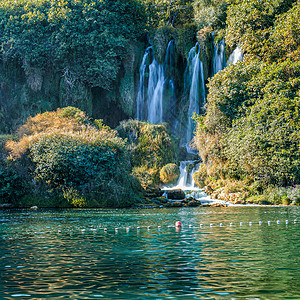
(177, 194)
(152, 192)
(176, 204)
(194, 203)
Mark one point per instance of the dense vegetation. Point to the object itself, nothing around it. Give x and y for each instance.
(151, 147)
(67, 160)
(249, 137)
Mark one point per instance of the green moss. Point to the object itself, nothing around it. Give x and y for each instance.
(185, 39)
(204, 38)
(160, 39)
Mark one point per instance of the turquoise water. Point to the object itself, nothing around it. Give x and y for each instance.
(68, 255)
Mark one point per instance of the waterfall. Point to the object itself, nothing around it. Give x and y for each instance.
(155, 92)
(140, 99)
(185, 181)
(235, 56)
(219, 62)
(195, 88)
(156, 100)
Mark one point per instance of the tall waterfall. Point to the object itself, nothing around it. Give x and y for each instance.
(219, 61)
(140, 99)
(195, 87)
(235, 56)
(156, 98)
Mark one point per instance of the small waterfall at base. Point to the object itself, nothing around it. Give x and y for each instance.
(235, 56)
(195, 89)
(187, 184)
(219, 62)
(185, 181)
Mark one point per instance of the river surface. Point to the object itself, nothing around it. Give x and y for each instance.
(68, 254)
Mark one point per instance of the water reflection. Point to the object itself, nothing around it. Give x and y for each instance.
(195, 263)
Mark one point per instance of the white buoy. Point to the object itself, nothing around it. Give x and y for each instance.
(278, 222)
(201, 225)
(286, 221)
(221, 225)
(250, 223)
(241, 223)
(269, 223)
(230, 224)
(260, 222)
(211, 225)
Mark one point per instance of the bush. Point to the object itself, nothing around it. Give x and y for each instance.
(150, 146)
(13, 182)
(169, 173)
(75, 162)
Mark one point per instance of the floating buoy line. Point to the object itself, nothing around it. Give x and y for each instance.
(178, 226)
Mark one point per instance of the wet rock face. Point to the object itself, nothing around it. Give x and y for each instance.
(177, 194)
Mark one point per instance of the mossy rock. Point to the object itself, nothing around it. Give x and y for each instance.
(169, 173)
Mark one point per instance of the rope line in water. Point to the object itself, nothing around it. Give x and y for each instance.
(210, 225)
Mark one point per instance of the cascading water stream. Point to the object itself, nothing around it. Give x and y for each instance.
(155, 92)
(185, 181)
(152, 103)
(219, 61)
(196, 93)
(140, 99)
(235, 56)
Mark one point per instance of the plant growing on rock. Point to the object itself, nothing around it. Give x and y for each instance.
(169, 173)
(151, 147)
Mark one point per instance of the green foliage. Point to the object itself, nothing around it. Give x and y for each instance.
(13, 182)
(86, 39)
(74, 162)
(200, 176)
(169, 173)
(252, 123)
(151, 147)
(250, 24)
(210, 13)
(73, 113)
(168, 13)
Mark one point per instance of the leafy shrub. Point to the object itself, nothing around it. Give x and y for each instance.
(200, 176)
(169, 173)
(150, 146)
(73, 160)
(13, 182)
